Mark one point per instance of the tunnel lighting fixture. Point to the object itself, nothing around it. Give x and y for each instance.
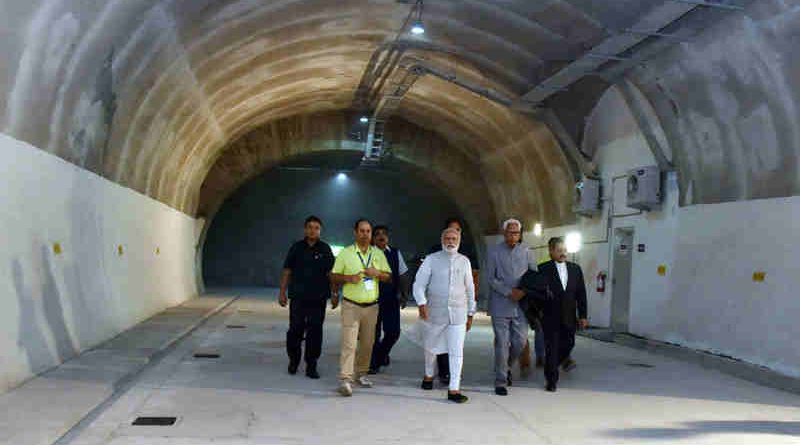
(364, 119)
(573, 242)
(537, 229)
(418, 28)
(341, 177)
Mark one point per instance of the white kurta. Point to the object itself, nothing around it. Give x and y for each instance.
(444, 284)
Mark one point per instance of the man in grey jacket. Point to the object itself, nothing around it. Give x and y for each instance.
(506, 263)
(445, 294)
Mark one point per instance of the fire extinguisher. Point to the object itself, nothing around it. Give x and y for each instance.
(601, 282)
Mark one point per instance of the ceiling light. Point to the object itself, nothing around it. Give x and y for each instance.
(537, 229)
(341, 177)
(418, 28)
(573, 242)
(364, 119)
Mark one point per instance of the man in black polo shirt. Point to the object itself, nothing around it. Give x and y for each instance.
(305, 273)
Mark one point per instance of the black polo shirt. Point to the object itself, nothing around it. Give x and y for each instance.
(310, 266)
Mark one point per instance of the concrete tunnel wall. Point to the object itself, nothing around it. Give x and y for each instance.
(707, 299)
(151, 94)
(82, 260)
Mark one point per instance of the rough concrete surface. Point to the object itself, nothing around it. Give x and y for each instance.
(616, 395)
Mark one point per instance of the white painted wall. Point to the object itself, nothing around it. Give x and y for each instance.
(707, 300)
(53, 306)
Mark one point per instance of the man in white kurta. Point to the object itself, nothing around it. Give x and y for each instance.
(445, 294)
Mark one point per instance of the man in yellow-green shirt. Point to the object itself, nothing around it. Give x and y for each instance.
(358, 268)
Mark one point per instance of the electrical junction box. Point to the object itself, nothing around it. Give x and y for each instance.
(644, 188)
(587, 197)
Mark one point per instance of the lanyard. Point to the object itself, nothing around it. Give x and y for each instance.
(369, 258)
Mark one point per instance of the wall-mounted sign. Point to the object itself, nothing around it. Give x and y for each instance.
(640, 247)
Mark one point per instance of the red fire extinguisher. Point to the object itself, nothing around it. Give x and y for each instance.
(601, 282)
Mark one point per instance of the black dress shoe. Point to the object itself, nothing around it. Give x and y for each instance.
(508, 378)
(372, 371)
(293, 367)
(500, 390)
(427, 385)
(311, 372)
(550, 387)
(457, 397)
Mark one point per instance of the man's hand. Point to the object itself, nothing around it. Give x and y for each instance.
(371, 272)
(423, 312)
(583, 323)
(282, 299)
(354, 279)
(334, 301)
(517, 294)
(469, 323)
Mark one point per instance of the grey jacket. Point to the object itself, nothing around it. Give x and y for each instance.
(504, 267)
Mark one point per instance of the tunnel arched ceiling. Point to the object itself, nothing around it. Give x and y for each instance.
(148, 93)
(152, 93)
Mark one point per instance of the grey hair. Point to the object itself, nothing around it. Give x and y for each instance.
(509, 221)
(450, 229)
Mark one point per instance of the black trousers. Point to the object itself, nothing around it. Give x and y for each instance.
(389, 323)
(443, 364)
(305, 320)
(559, 339)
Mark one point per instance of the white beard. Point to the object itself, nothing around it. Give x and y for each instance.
(450, 250)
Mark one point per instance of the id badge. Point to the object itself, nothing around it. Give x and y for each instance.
(369, 284)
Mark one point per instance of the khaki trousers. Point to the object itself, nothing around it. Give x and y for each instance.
(358, 336)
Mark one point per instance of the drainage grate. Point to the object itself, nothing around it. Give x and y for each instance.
(155, 421)
(205, 355)
(639, 365)
(235, 326)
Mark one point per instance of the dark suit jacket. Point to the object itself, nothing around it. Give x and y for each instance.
(546, 296)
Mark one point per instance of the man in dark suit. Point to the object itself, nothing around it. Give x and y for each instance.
(557, 292)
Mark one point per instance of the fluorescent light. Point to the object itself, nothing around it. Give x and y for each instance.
(364, 119)
(537, 229)
(573, 242)
(341, 177)
(418, 28)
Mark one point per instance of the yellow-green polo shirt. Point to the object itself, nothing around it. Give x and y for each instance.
(349, 263)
